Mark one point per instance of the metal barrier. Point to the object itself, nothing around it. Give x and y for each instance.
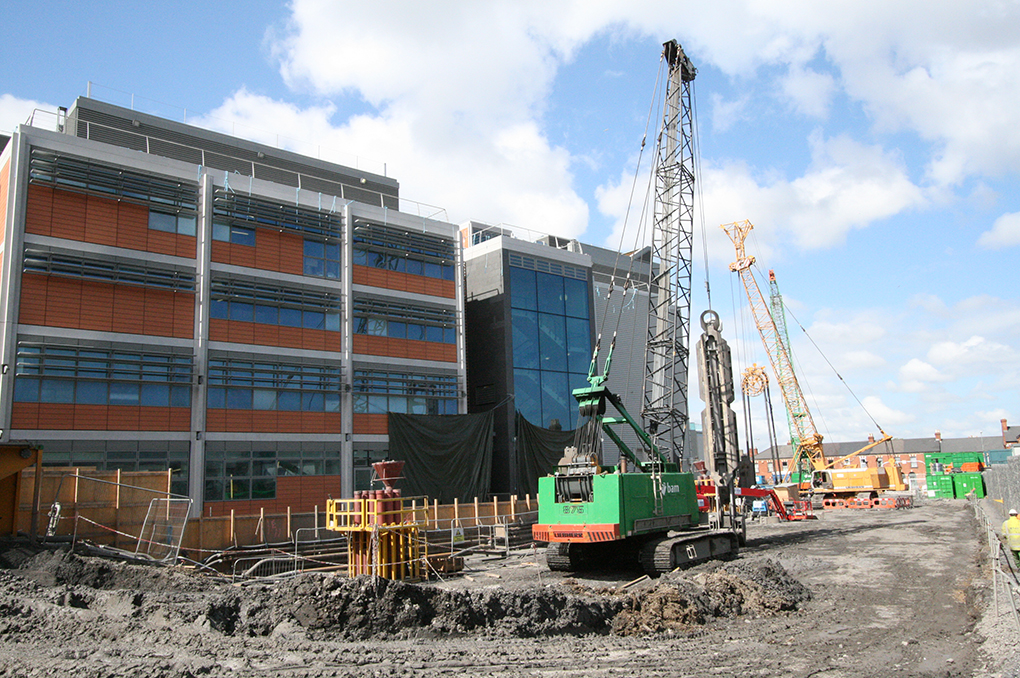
(1001, 579)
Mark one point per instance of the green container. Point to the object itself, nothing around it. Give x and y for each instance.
(963, 483)
(943, 486)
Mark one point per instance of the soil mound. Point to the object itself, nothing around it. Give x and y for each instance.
(680, 602)
(367, 607)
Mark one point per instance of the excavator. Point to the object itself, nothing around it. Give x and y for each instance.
(645, 508)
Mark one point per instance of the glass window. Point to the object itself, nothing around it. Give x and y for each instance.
(219, 308)
(311, 402)
(242, 311)
(314, 248)
(377, 327)
(333, 321)
(264, 399)
(332, 269)
(239, 488)
(433, 333)
(550, 293)
(185, 225)
(160, 221)
(360, 257)
(123, 394)
(522, 289)
(91, 393)
(575, 297)
(416, 332)
(290, 317)
(525, 339)
(552, 342)
(155, 395)
(267, 315)
(180, 396)
(527, 395)
(414, 267)
(288, 401)
(217, 398)
(240, 235)
(221, 231)
(396, 330)
(556, 406)
(26, 390)
(238, 398)
(449, 335)
(331, 402)
(433, 270)
(315, 267)
(314, 320)
(578, 345)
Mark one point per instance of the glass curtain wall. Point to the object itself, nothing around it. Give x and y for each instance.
(551, 344)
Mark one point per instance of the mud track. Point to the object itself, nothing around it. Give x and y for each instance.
(861, 593)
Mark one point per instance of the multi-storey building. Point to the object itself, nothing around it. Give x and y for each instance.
(530, 325)
(174, 297)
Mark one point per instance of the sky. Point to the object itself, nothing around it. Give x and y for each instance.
(874, 145)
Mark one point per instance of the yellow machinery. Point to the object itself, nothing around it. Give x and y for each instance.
(383, 528)
(826, 480)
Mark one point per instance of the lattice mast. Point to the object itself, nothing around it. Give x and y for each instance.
(810, 441)
(779, 318)
(669, 318)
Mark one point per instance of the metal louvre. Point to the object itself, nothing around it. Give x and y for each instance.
(243, 291)
(379, 238)
(87, 176)
(404, 312)
(48, 263)
(245, 210)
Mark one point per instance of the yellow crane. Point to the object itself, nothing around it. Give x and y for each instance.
(809, 441)
(825, 477)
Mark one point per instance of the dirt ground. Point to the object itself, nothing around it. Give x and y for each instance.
(856, 593)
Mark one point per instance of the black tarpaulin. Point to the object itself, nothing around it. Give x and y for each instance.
(447, 456)
(538, 451)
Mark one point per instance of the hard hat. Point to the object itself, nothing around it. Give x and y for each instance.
(1012, 512)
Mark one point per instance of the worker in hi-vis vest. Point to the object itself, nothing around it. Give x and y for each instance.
(1011, 533)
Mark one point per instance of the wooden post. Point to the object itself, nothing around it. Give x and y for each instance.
(316, 521)
(262, 524)
(476, 512)
(117, 500)
(290, 534)
(435, 514)
(513, 508)
(495, 511)
(36, 496)
(456, 510)
(233, 534)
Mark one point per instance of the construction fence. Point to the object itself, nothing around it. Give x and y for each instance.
(1002, 482)
(110, 508)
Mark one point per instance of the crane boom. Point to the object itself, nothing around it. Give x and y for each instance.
(809, 441)
(669, 317)
(779, 318)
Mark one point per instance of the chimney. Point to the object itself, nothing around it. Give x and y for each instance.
(1004, 427)
(871, 438)
(938, 435)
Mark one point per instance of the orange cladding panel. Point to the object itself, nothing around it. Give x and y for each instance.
(39, 212)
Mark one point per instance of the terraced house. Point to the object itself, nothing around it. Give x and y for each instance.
(178, 298)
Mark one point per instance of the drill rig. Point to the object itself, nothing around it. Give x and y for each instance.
(644, 508)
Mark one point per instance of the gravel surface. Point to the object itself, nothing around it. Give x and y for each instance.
(856, 593)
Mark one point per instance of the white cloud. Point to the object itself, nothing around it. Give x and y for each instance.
(974, 351)
(809, 91)
(15, 111)
(1005, 232)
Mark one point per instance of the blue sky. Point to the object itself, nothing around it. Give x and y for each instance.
(874, 145)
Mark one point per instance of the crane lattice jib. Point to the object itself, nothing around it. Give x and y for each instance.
(779, 318)
(666, 351)
(810, 445)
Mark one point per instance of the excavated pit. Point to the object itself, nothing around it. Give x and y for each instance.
(51, 592)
